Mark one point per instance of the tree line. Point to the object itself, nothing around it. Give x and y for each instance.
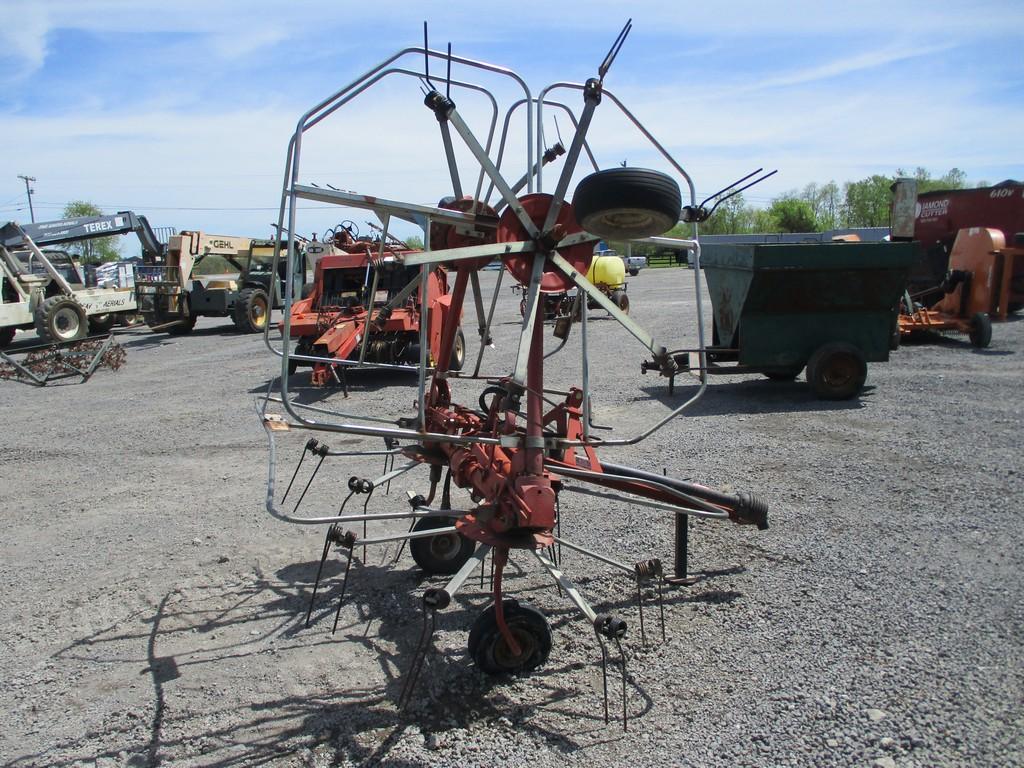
(821, 207)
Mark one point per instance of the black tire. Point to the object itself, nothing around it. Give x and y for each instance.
(157, 315)
(252, 310)
(634, 272)
(188, 322)
(445, 553)
(621, 300)
(488, 648)
(7, 336)
(307, 290)
(837, 371)
(626, 203)
(981, 330)
(101, 323)
(783, 374)
(458, 352)
(61, 318)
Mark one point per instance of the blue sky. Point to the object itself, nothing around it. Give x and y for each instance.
(182, 110)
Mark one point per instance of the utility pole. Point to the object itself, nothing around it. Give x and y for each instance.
(28, 193)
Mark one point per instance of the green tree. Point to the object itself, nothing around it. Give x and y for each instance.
(826, 203)
(91, 251)
(415, 242)
(867, 202)
(793, 215)
(733, 217)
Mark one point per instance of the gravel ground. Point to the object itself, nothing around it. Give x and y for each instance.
(152, 611)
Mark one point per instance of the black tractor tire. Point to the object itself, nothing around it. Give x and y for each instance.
(488, 648)
(156, 315)
(626, 203)
(621, 300)
(101, 323)
(458, 352)
(7, 336)
(307, 290)
(981, 330)
(252, 310)
(837, 371)
(185, 326)
(445, 553)
(61, 318)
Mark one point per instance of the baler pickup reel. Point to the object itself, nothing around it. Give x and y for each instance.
(522, 446)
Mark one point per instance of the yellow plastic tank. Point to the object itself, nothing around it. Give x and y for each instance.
(607, 270)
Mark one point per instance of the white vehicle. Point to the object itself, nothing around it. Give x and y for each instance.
(46, 291)
(634, 264)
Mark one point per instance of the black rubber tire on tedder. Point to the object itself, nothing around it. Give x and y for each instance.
(489, 650)
(444, 553)
(626, 203)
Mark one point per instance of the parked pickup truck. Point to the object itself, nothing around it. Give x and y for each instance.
(634, 264)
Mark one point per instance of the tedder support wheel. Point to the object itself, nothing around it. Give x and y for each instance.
(621, 300)
(61, 318)
(458, 352)
(444, 553)
(626, 203)
(981, 330)
(101, 323)
(836, 371)
(252, 310)
(7, 336)
(490, 651)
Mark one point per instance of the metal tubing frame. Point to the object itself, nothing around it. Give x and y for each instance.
(290, 193)
(567, 586)
(311, 118)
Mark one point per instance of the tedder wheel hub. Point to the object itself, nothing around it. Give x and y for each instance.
(520, 265)
(490, 650)
(448, 236)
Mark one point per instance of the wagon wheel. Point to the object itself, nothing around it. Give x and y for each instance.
(981, 330)
(489, 649)
(627, 203)
(621, 300)
(458, 352)
(837, 371)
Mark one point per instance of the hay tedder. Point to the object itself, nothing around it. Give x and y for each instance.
(520, 444)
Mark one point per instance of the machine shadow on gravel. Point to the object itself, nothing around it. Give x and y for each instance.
(752, 397)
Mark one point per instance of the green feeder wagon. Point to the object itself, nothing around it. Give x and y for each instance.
(829, 307)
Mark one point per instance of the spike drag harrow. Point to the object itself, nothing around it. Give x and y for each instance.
(62, 360)
(519, 445)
